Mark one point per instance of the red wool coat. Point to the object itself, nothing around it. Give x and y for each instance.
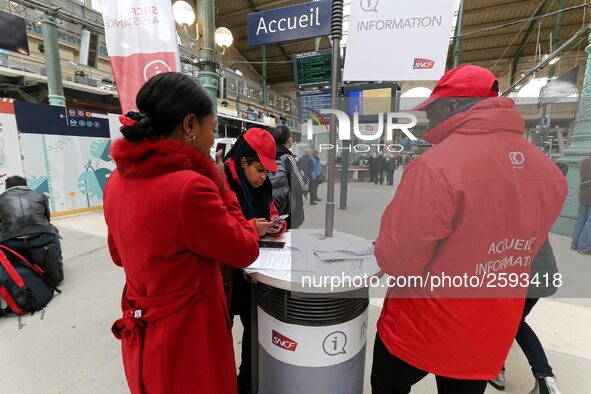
(169, 226)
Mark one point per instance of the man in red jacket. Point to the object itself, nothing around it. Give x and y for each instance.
(469, 214)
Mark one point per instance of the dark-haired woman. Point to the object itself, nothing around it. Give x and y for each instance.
(170, 219)
(247, 165)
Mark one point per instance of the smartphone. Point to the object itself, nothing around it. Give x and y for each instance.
(280, 218)
(221, 147)
(272, 244)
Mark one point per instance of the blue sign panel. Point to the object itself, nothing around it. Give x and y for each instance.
(313, 100)
(290, 23)
(54, 120)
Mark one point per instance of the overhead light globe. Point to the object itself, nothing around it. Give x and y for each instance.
(183, 13)
(223, 37)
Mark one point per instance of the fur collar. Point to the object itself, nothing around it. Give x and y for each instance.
(148, 159)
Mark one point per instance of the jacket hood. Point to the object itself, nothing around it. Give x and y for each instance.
(148, 159)
(282, 150)
(492, 115)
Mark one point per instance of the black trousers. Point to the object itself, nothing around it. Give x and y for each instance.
(313, 191)
(240, 306)
(379, 177)
(391, 375)
(390, 177)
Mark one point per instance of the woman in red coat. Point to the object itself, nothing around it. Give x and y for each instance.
(170, 219)
(247, 165)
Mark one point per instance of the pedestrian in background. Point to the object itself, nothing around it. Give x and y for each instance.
(391, 168)
(380, 166)
(371, 164)
(170, 220)
(543, 266)
(317, 176)
(582, 232)
(290, 184)
(306, 165)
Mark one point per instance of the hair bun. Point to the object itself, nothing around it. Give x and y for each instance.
(140, 128)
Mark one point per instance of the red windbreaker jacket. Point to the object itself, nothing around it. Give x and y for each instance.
(481, 203)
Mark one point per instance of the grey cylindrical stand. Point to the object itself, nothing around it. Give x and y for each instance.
(310, 343)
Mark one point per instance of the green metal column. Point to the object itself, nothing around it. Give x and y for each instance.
(264, 76)
(545, 112)
(579, 150)
(556, 37)
(208, 76)
(458, 43)
(52, 60)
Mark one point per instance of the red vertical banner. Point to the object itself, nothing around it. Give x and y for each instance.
(141, 41)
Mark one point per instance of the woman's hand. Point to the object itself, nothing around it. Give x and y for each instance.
(276, 226)
(263, 226)
(219, 164)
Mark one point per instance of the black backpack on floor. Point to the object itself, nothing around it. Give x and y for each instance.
(21, 283)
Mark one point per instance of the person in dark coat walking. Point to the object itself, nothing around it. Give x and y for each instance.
(306, 165)
(371, 164)
(293, 183)
(391, 167)
(380, 165)
(543, 266)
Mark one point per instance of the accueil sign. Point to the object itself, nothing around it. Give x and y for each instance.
(398, 41)
(290, 23)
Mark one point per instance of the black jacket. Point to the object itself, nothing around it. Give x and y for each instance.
(543, 271)
(24, 212)
(306, 166)
(296, 205)
(380, 163)
(391, 164)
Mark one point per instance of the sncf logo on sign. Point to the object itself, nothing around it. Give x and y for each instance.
(284, 342)
(517, 158)
(423, 64)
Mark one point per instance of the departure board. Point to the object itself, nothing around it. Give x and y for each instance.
(312, 100)
(313, 68)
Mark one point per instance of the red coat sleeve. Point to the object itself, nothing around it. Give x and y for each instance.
(113, 250)
(419, 216)
(212, 224)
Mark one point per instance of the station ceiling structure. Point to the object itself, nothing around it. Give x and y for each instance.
(502, 35)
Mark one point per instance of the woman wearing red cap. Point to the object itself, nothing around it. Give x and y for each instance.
(170, 220)
(247, 165)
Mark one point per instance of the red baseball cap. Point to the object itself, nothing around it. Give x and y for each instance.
(263, 144)
(464, 81)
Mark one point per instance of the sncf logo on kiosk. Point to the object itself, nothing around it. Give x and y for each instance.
(423, 64)
(284, 342)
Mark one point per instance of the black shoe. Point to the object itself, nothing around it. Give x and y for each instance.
(498, 382)
(313, 203)
(318, 200)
